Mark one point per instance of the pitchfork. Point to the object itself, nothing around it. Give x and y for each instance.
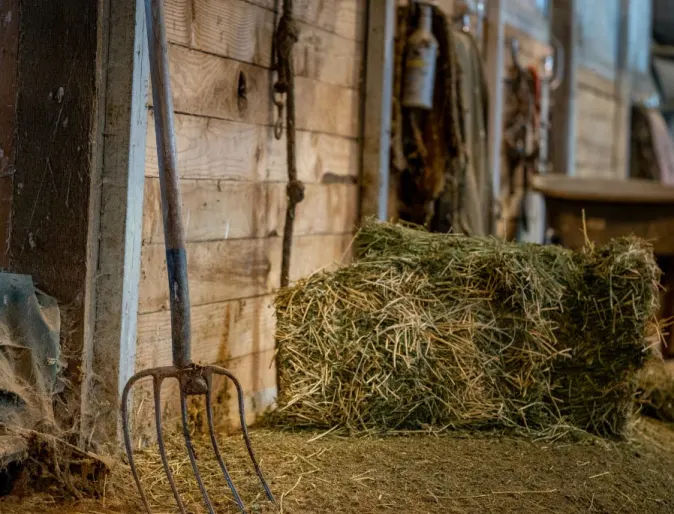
(192, 379)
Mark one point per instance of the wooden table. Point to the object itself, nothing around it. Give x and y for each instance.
(614, 208)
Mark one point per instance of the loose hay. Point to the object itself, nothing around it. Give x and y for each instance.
(412, 475)
(429, 331)
(656, 389)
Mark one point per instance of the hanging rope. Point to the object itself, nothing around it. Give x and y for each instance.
(287, 34)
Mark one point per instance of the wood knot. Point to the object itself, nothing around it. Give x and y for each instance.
(242, 94)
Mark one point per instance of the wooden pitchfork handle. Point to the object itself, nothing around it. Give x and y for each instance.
(169, 180)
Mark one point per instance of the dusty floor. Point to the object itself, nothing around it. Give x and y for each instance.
(416, 474)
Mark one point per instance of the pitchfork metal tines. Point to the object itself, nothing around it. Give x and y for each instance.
(193, 380)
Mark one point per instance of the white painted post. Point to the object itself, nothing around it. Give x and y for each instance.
(121, 220)
(494, 70)
(621, 148)
(377, 108)
(566, 29)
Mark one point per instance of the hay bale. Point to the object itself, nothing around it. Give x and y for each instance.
(611, 317)
(656, 389)
(447, 331)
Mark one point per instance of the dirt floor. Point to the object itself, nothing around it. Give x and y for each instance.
(412, 474)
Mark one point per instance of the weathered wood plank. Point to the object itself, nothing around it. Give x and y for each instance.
(208, 85)
(592, 105)
(220, 331)
(314, 253)
(327, 108)
(239, 268)
(595, 139)
(213, 86)
(326, 209)
(245, 32)
(330, 59)
(56, 197)
(217, 210)
(216, 149)
(598, 84)
(178, 21)
(590, 155)
(225, 150)
(594, 149)
(597, 133)
(53, 158)
(9, 48)
(257, 374)
(343, 17)
(218, 271)
(594, 169)
(213, 210)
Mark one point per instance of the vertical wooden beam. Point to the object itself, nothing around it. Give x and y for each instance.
(494, 69)
(114, 351)
(93, 222)
(9, 47)
(565, 28)
(377, 108)
(56, 183)
(621, 146)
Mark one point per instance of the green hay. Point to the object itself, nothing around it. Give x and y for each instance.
(656, 389)
(429, 331)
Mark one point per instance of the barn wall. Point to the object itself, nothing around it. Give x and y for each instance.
(9, 48)
(234, 175)
(598, 101)
(56, 175)
(596, 132)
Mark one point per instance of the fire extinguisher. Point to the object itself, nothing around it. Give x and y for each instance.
(420, 62)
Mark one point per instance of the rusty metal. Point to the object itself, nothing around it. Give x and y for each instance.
(193, 379)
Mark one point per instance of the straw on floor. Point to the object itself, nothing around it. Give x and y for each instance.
(429, 331)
